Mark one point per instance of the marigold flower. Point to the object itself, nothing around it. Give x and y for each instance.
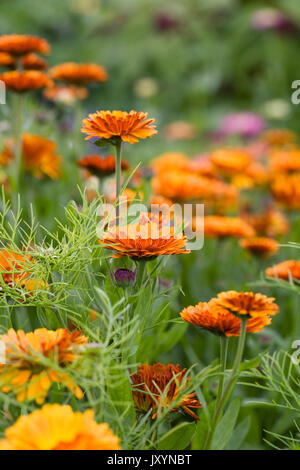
(220, 322)
(100, 166)
(244, 303)
(261, 246)
(144, 241)
(25, 373)
(19, 44)
(286, 190)
(66, 94)
(39, 155)
(23, 81)
(220, 227)
(161, 385)
(57, 427)
(80, 74)
(230, 160)
(129, 127)
(285, 270)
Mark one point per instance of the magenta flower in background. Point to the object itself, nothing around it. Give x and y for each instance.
(271, 18)
(245, 124)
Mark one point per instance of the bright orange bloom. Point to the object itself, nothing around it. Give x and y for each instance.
(34, 62)
(161, 385)
(221, 322)
(100, 166)
(79, 74)
(244, 303)
(129, 127)
(279, 137)
(270, 223)
(253, 175)
(66, 94)
(6, 60)
(230, 160)
(39, 155)
(286, 190)
(260, 246)
(26, 374)
(170, 161)
(27, 80)
(285, 161)
(19, 44)
(286, 270)
(57, 427)
(144, 241)
(221, 227)
(13, 266)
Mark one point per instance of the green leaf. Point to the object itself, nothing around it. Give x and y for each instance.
(202, 428)
(239, 434)
(178, 438)
(251, 364)
(226, 426)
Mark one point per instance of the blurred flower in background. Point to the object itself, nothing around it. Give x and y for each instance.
(272, 18)
(246, 124)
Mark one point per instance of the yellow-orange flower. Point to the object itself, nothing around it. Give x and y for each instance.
(144, 241)
(100, 166)
(57, 427)
(285, 161)
(66, 94)
(261, 246)
(221, 227)
(19, 44)
(221, 322)
(25, 372)
(170, 161)
(230, 160)
(160, 385)
(80, 74)
(285, 270)
(271, 222)
(39, 155)
(279, 137)
(6, 60)
(129, 127)
(13, 266)
(30, 61)
(244, 303)
(286, 190)
(24, 81)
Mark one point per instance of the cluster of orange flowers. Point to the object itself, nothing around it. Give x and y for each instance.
(15, 270)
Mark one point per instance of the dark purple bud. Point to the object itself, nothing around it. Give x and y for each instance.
(124, 277)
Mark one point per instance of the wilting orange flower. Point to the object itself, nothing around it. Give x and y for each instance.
(231, 160)
(244, 303)
(23, 81)
(279, 137)
(144, 241)
(285, 161)
(161, 385)
(286, 190)
(129, 127)
(100, 166)
(26, 374)
(220, 227)
(80, 74)
(221, 322)
(57, 427)
(39, 155)
(19, 44)
(270, 223)
(66, 94)
(285, 270)
(261, 246)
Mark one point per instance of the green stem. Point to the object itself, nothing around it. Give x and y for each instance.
(230, 385)
(223, 360)
(18, 136)
(118, 147)
(140, 275)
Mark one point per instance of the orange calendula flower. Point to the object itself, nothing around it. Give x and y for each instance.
(160, 385)
(221, 322)
(80, 74)
(286, 270)
(230, 160)
(65, 94)
(24, 81)
(6, 60)
(261, 246)
(271, 222)
(13, 266)
(100, 166)
(39, 155)
(129, 127)
(286, 190)
(285, 161)
(19, 44)
(218, 226)
(57, 427)
(244, 303)
(25, 373)
(170, 161)
(144, 241)
(279, 137)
